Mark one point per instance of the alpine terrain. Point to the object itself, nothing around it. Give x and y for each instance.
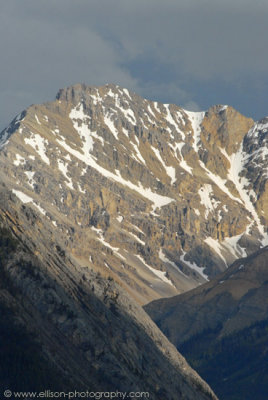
(109, 201)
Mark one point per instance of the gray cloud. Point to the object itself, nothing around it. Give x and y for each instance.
(188, 52)
(40, 55)
(204, 39)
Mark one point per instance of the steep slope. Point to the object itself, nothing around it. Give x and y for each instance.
(67, 328)
(221, 328)
(158, 196)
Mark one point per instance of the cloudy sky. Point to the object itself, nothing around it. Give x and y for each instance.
(194, 53)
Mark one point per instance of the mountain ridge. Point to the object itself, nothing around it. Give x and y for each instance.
(146, 156)
(117, 201)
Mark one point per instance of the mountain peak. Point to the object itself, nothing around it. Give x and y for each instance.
(117, 201)
(88, 94)
(154, 184)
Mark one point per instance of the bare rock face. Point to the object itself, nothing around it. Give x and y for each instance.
(224, 127)
(159, 197)
(116, 201)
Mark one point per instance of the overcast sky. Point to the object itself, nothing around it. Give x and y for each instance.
(194, 53)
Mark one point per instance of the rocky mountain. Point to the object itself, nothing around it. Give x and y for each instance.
(221, 328)
(159, 197)
(109, 201)
(73, 261)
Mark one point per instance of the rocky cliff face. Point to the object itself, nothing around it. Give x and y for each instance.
(221, 328)
(160, 198)
(115, 201)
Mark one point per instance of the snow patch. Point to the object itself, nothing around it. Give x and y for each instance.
(36, 117)
(228, 245)
(170, 171)
(194, 266)
(40, 209)
(30, 175)
(151, 111)
(80, 188)
(106, 244)
(172, 121)
(157, 107)
(127, 93)
(136, 228)
(166, 260)
(138, 153)
(19, 160)
(24, 198)
(231, 244)
(129, 115)
(160, 274)
(178, 147)
(196, 119)
(96, 97)
(106, 265)
(216, 246)
(110, 124)
(125, 132)
(219, 182)
(38, 143)
(63, 167)
(205, 193)
(86, 135)
(237, 161)
(137, 238)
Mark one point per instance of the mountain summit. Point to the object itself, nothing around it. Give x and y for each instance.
(109, 201)
(160, 197)
(84, 200)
